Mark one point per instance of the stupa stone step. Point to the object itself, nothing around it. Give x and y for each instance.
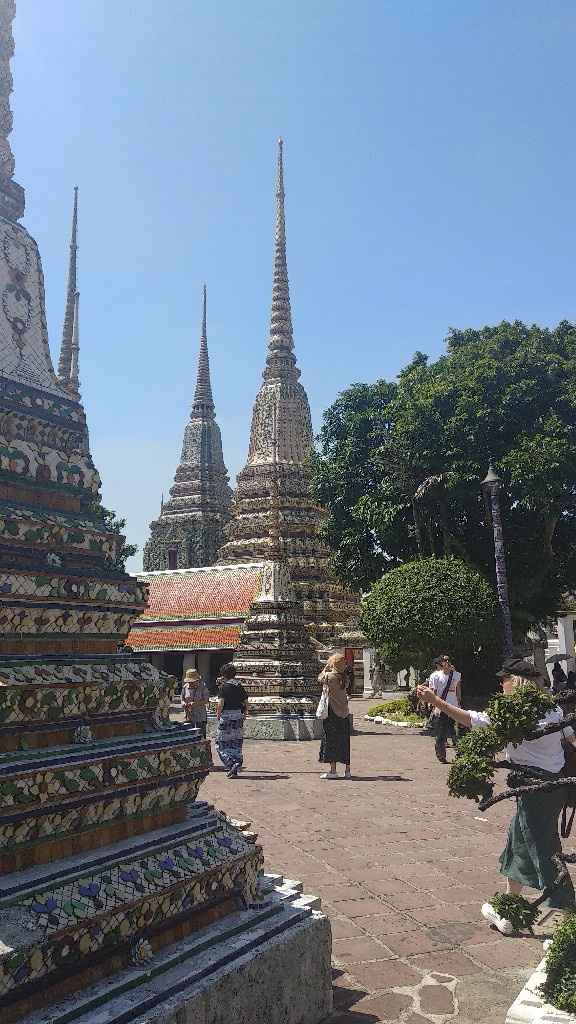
(178, 979)
(19, 883)
(56, 932)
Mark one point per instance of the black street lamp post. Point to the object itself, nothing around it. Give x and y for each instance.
(491, 487)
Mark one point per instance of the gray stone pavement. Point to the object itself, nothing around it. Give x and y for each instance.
(402, 869)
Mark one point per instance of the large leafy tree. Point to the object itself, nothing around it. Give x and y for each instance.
(399, 464)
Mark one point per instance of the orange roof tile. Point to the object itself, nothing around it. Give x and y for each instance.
(217, 592)
(183, 639)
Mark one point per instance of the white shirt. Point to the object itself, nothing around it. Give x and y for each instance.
(546, 752)
(438, 681)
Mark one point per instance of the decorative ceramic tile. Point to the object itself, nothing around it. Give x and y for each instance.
(59, 783)
(62, 820)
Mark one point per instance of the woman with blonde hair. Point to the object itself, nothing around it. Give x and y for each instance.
(533, 832)
(335, 744)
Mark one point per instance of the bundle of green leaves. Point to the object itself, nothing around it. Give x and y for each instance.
(471, 775)
(560, 985)
(519, 911)
(513, 716)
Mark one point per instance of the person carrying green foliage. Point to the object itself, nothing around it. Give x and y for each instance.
(533, 838)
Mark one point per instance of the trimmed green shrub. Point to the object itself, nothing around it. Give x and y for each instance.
(400, 710)
(427, 606)
(560, 985)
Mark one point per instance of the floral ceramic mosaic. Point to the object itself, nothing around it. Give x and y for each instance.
(200, 879)
(77, 588)
(59, 781)
(54, 530)
(45, 703)
(53, 407)
(20, 829)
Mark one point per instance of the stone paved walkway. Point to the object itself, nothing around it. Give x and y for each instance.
(401, 867)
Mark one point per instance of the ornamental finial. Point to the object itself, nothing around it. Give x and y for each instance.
(11, 194)
(65, 362)
(203, 401)
(280, 361)
(74, 383)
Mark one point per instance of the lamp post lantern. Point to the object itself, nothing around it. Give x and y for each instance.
(491, 488)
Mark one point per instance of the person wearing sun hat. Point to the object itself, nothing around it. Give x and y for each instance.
(533, 832)
(195, 699)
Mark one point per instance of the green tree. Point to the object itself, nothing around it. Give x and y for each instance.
(399, 464)
(114, 525)
(427, 606)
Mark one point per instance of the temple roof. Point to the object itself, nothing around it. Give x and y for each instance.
(200, 638)
(218, 597)
(214, 592)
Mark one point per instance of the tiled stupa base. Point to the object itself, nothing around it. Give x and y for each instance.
(81, 919)
(268, 964)
(277, 727)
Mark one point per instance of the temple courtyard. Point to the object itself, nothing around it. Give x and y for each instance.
(401, 869)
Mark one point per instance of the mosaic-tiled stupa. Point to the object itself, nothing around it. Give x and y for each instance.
(110, 874)
(274, 515)
(190, 528)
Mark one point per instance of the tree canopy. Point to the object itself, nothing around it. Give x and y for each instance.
(426, 606)
(399, 464)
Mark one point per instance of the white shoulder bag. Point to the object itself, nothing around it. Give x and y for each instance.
(322, 709)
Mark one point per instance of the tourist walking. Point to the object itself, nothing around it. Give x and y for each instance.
(533, 832)
(559, 678)
(195, 699)
(231, 714)
(571, 680)
(335, 743)
(444, 681)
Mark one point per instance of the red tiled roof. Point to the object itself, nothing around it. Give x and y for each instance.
(217, 592)
(183, 639)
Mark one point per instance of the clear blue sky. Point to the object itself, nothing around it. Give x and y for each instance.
(430, 178)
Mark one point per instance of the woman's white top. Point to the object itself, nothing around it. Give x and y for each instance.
(546, 752)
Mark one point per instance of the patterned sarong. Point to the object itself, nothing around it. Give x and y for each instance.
(229, 738)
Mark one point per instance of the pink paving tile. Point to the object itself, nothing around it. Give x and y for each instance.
(413, 900)
(409, 943)
(342, 928)
(385, 925)
(447, 913)
(449, 962)
(359, 907)
(386, 1007)
(384, 974)
(354, 950)
(508, 953)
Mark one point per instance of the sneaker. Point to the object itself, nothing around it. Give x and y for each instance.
(504, 926)
(347, 775)
(329, 775)
(233, 773)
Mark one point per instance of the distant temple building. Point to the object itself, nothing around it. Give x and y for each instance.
(274, 521)
(189, 530)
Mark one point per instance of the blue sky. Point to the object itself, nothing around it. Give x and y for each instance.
(429, 168)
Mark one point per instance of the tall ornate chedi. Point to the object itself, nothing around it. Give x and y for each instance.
(274, 515)
(107, 873)
(190, 528)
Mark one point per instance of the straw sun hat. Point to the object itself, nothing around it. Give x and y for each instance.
(192, 676)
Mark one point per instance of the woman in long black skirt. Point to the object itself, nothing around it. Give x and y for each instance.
(335, 744)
